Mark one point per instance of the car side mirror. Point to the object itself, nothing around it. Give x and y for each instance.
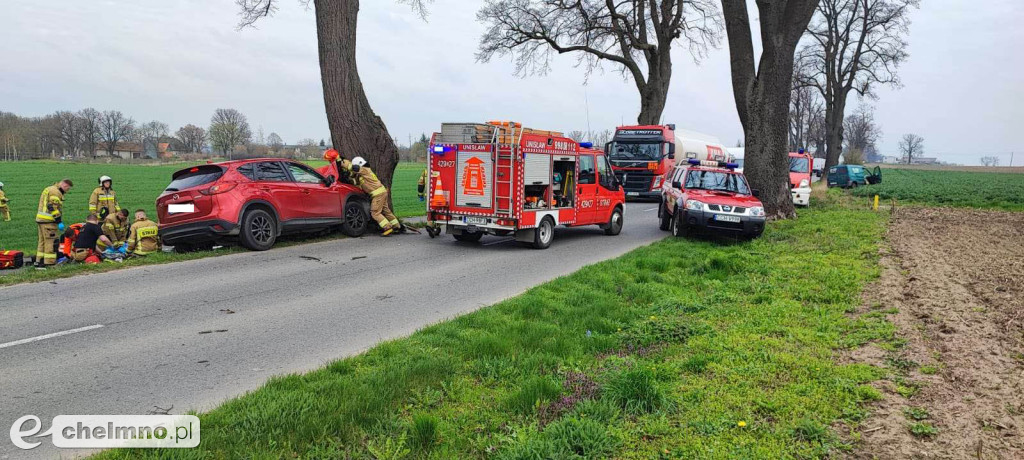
(329, 180)
(677, 184)
(672, 151)
(755, 192)
(607, 148)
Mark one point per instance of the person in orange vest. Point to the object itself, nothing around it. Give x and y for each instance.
(143, 237)
(380, 211)
(49, 222)
(103, 200)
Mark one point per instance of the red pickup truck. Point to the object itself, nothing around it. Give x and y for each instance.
(710, 197)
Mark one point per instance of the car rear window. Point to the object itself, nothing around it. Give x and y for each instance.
(194, 177)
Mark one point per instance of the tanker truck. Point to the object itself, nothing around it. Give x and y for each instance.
(641, 156)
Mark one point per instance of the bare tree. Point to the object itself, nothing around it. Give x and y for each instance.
(804, 107)
(91, 129)
(635, 35)
(275, 142)
(115, 127)
(862, 133)
(355, 129)
(193, 137)
(990, 161)
(911, 147)
(69, 130)
(576, 135)
(853, 46)
(228, 128)
(763, 92)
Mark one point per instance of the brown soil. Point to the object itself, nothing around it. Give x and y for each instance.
(956, 277)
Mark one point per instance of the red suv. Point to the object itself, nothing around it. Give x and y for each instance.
(712, 197)
(255, 201)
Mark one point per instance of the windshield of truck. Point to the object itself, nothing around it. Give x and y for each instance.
(799, 165)
(644, 152)
(716, 181)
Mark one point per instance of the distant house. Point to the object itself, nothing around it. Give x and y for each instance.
(924, 161)
(124, 150)
(891, 160)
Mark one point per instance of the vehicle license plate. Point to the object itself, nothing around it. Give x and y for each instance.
(181, 208)
(722, 218)
(476, 220)
(633, 194)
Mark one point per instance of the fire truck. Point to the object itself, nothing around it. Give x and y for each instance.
(642, 156)
(500, 178)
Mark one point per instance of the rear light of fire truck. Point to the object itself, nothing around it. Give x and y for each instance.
(505, 222)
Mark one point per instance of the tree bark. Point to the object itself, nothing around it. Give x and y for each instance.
(654, 92)
(835, 115)
(763, 95)
(355, 129)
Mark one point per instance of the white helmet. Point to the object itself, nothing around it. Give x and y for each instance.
(1, 185)
(358, 161)
(105, 178)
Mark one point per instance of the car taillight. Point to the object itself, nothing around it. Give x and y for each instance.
(219, 188)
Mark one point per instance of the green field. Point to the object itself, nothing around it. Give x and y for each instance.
(950, 188)
(681, 349)
(137, 186)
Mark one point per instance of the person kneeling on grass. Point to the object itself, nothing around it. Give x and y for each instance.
(85, 248)
(143, 237)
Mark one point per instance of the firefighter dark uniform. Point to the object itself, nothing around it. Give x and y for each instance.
(115, 227)
(421, 187)
(5, 212)
(48, 217)
(380, 211)
(103, 201)
(143, 237)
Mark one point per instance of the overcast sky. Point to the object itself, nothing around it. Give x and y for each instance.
(178, 60)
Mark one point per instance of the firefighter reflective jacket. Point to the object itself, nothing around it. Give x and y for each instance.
(143, 237)
(115, 228)
(367, 180)
(103, 198)
(3, 199)
(51, 204)
(422, 185)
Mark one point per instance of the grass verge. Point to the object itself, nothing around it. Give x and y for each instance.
(682, 349)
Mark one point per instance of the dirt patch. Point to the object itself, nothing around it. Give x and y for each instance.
(953, 284)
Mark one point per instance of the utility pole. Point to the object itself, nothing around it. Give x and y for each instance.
(1011, 159)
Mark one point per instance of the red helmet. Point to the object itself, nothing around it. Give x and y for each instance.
(331, 155)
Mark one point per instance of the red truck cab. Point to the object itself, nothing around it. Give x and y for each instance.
(710, 197)
(641, 156)
(800, 170)
(501, 179)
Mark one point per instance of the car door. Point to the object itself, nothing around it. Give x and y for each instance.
(606, 188)
(275, 183)
(319, 201)
(586, 190)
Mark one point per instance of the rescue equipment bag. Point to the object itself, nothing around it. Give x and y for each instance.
(10, 260)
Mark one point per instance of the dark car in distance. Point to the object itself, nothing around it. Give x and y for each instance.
(253, 202)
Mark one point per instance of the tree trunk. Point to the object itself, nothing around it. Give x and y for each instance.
(763, 94)
(654, 93)
(834, 117)
(355, 129)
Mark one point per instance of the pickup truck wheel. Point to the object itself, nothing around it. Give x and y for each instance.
(614, 223)
(679, 227)
(544, 234)
(355, 220)
(469, 237)
(666, 219)
(259, 230)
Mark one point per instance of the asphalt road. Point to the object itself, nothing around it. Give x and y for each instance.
(189, 335)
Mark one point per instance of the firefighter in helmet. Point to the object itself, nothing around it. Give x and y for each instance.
(421, 187)
(115, 227)
(5, 212)
(103, 200)
(341, 164)
(49, 220)
(380, 210)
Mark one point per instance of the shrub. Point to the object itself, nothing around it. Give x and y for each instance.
(636, 390)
